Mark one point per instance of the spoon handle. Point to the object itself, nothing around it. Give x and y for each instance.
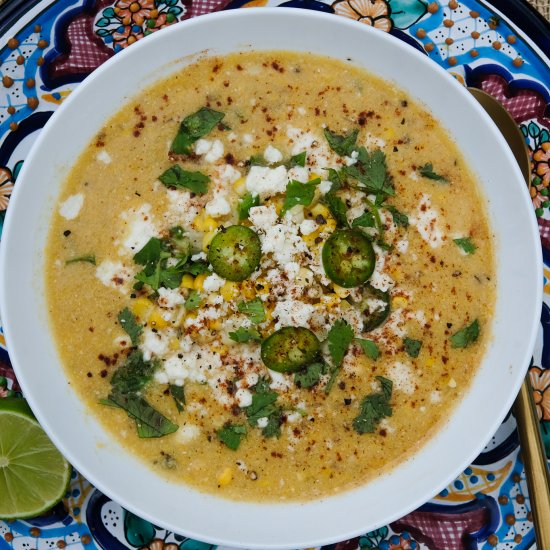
(534, 460)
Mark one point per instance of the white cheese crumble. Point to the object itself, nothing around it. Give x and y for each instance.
(212, 150)
(272, 154)
(104, 157)
(187, 433)
(262, 422)
(139, 229)
(264, 181)
(307, 227)
(227, 174)
(218, 206)
(114, 274)
(243, 397)
(299, 173)
(213, 283)
(169, 297)
(324, 187)
(155, 344)
(292, 313)
(426, 222)
(380, 280)
(70, 208)
(402, 377)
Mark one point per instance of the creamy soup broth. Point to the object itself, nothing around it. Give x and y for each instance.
(436, 271)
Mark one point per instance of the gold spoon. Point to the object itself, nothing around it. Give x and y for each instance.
(532, 449)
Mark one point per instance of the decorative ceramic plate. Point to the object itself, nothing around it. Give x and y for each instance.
(49, 46)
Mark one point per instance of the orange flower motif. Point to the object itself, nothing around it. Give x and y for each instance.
(540, 380)
(6, 188)
(375, 13)
(134, 12)
(542, 163)
(128, 36)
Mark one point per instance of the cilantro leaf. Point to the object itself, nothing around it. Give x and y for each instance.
(342, 145)
(466, 244)
(412, 347)
(374, 408)
(245, 204)
(257, 160)
(364, 220)
(427, 171)
(130, 325)
(243, 335)
(371, 171)
(132, 376)
(337, 208)
(398, 217)
(149, 422)
(178, 394)
(339, 338)
(299, 193)
(193, 127)
(90, 259)
(254, 310)
(370, 349)
(195, 268)
(310, 376)
(193, 300)
(231, 435)
(176, 176)
(465, 336)
(298, 160)
(150, 254)
(264, 406)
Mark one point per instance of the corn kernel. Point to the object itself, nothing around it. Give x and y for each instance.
(228, 291)
(198, 283)
(226, 477)
(187, 281)
(341, 291)
(141, 307)
(399, 301)
(207, 239)
(304, 277)
(313, 176)
(320, 210)
(396, 273)
(239, 186)
(248, 290)
(222, 349)
(331, 224)
(310, 239)
(156, 320)
(430, 362)
(215, 324)
(203, 222)
(331, 300)
(174, 344)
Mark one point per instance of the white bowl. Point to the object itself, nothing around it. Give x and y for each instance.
(96, 454)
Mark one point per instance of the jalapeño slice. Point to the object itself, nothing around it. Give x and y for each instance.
(289, 349)
(348, 257)
(235, 252)
(375, 307)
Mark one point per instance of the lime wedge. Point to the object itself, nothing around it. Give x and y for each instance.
(33, 474)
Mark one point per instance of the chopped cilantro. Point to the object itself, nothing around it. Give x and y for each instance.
(149, 422)
(193, 300)
(364, 220)
(130, 325)
(427, 171)
(339, 338)
(342, 145)
(257, 160)
(299, 193)
(370, 349)
(298, 160)
(193, 127)
(178, 394)
(465, 336)
(337, 208)
(245, 204)
(90, 259)
(176, 176)
(243, 335)
(264, 406)
(231, 435)
(132, 376)
(310, 376)
(374, 408)
(254, 310)
(466, 244)
(412, 347)
(398, 217)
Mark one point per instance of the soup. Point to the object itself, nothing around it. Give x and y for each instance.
(271, 276)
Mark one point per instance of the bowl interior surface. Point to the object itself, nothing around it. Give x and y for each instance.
(96, 453)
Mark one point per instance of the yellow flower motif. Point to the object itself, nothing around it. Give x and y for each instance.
(375, 13)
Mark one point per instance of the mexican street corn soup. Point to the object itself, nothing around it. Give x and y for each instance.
(271, 276)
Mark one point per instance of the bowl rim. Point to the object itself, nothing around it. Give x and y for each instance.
(27, 386)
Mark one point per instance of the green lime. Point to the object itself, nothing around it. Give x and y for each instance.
(33, 473)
